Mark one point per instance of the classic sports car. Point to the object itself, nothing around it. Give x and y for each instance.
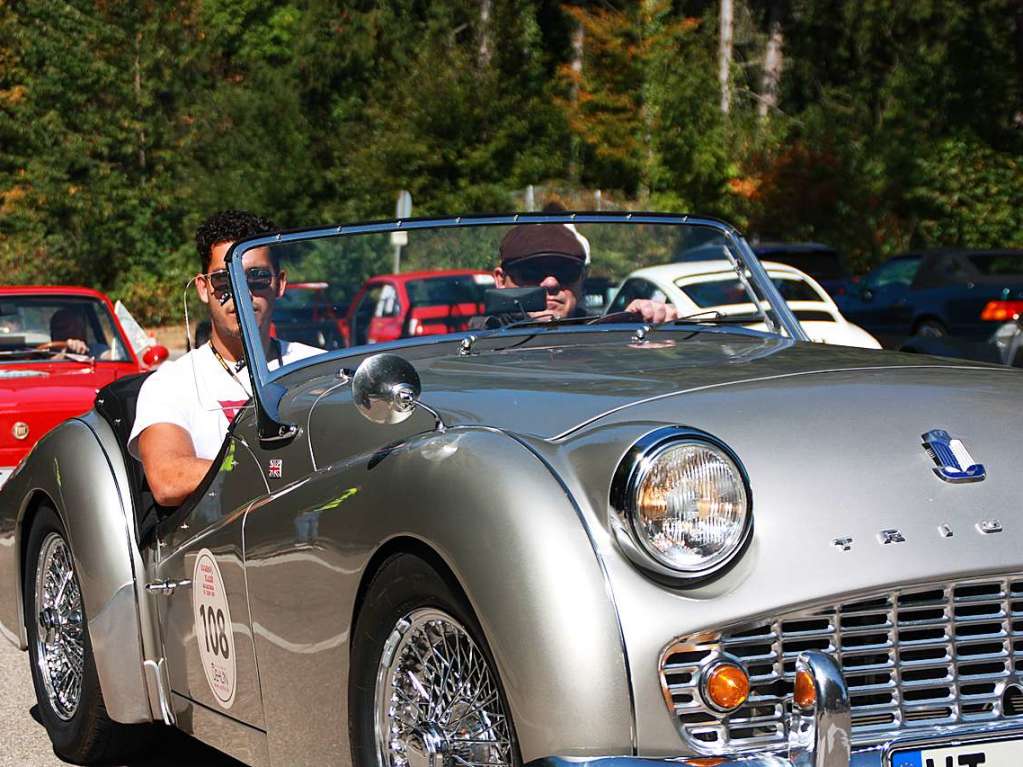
(42, 381)
(579, 541)
(712, 286)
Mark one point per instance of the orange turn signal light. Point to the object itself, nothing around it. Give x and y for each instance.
(805, 695)
(727, 686)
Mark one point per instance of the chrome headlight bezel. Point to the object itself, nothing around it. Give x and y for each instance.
(628, 477)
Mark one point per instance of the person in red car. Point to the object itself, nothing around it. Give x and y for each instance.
(554, 257)
(68, 327)
(185, 407)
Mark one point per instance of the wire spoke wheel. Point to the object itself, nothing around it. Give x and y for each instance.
(437, 700)
(60, 636)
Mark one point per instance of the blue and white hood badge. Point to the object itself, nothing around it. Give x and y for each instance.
(954, 462)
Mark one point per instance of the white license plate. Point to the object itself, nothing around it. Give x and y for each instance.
(1002, 753)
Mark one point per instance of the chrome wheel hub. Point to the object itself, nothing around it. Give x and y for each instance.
(60, 638)
(437, 700)
(426, 747)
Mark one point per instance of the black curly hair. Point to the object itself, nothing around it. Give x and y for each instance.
(228, 226)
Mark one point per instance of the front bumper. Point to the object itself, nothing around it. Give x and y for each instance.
(819, 738)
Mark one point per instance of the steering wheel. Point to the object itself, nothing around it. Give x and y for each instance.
(52, 346)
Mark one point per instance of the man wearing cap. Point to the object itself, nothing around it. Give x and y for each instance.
(554, 257)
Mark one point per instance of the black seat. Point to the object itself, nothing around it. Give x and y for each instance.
(116, 402)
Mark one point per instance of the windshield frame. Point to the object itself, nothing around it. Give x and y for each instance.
(268, 391)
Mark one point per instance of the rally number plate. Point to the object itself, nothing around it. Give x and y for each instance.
(1002, 753)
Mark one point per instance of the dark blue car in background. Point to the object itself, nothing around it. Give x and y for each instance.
(966, 294)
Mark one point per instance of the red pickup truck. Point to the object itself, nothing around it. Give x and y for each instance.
(392, 306)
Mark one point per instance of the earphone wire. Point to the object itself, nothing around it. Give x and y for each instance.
(188, 338)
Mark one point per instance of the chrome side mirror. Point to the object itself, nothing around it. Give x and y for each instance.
(386, 389)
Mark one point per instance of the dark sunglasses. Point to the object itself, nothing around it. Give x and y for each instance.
(533, 273)
(258, 278)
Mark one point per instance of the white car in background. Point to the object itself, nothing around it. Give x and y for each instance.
(706, 287)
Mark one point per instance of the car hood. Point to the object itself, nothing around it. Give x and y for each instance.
(835, 458)
(50, 386)
(40, 396)
(550, 390)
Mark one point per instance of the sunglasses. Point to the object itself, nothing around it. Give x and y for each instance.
(257, 278)
(533, 273)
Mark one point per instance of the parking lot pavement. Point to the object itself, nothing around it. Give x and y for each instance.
(23, 741)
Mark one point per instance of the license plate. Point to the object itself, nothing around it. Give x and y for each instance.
(1002, 753)
(4, 474)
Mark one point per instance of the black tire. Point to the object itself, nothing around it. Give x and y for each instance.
(931, 328)
(87, 735)
(403, 585)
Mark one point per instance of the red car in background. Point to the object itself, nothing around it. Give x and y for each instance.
(392, 306)
(43, 381)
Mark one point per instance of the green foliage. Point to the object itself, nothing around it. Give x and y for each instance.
(122, 125)
(968, 195)
(691, 157)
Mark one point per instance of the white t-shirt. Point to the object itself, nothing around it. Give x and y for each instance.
(197, 394)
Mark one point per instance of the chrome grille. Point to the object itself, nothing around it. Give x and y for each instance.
(918, 657)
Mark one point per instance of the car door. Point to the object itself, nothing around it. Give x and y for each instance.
(951, 296)
(884, 304)
(201, 588)
(299, 548)
(361, 313)
(386, 322)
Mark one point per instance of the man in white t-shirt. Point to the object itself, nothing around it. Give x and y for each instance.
(185, 407)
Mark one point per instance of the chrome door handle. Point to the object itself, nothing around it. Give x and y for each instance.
(167, 587)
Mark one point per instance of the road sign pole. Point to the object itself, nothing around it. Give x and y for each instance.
(402, 211)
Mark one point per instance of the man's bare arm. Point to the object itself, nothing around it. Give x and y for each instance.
(172, 468)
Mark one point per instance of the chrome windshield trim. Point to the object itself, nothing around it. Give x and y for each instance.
(268, 394)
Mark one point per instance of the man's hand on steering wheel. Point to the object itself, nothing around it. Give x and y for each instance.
(653, 312)
(70, 345)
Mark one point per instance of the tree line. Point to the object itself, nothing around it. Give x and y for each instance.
(874, 126)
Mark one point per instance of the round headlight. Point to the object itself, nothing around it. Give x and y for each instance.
(689, 507)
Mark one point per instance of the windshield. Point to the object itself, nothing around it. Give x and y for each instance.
(449, 289)
(434, 280)
(729, 291)
(41, 327)
(302, 297)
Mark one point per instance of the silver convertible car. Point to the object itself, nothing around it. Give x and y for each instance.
(584, 541)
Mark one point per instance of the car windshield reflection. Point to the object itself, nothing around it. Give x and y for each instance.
(348, 291)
